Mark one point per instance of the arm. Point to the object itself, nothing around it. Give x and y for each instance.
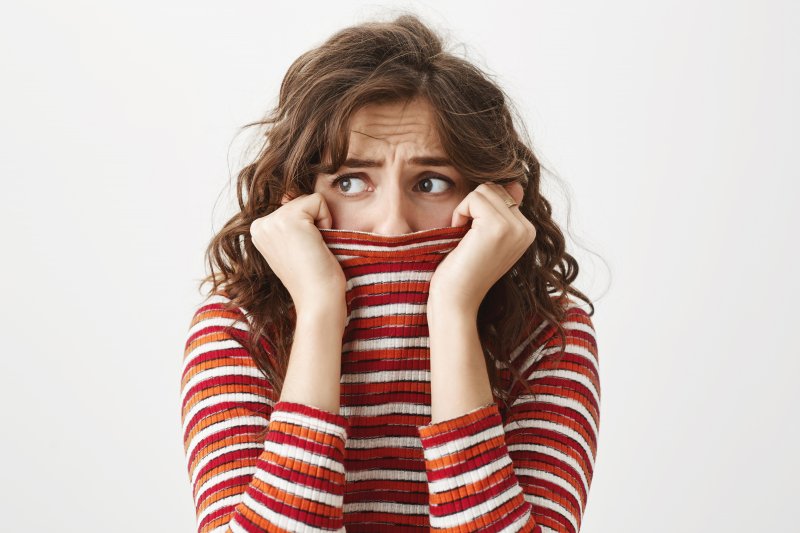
(291, 480)
(533, 471)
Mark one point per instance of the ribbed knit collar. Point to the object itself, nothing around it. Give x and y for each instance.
(388, 275)
(426, 245)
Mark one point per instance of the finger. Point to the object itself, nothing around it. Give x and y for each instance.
(480, 203)
(320, 212)
(500, 198)
(516, 191)
(460, 215)
(504, 191)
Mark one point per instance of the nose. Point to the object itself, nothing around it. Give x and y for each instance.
(392, 212)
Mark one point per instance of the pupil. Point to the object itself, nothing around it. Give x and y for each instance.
(428, 181)
(343, 180)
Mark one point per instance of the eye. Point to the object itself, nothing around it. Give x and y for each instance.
(347, 180)
(344, 184)
(431, 179)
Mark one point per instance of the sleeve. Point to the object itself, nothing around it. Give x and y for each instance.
(291, 480)
(531, 472)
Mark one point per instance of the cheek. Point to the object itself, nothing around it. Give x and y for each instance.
(345, 215)
(442, 216)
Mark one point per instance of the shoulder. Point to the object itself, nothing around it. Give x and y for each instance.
(578, 322)
(218, 309)
(217, 327)
(544, 337)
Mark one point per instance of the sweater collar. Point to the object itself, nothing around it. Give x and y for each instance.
(390, 274)
(358, 247)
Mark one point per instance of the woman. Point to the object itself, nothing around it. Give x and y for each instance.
(390, 343)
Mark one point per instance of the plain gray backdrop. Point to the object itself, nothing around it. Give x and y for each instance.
(670, 129)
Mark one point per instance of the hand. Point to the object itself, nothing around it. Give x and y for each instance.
(290, 241)
(497, 239)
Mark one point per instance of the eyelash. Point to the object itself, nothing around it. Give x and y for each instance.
(339, 178)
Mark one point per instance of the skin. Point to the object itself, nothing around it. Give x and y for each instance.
(397, 196)
(392, 197)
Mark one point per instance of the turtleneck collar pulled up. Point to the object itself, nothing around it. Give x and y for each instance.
(388, 276)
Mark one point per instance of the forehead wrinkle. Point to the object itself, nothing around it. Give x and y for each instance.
(431, 136)
(367, 135)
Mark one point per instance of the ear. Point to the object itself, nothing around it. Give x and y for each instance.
(516, 191)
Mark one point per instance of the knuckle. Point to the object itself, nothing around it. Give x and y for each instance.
(531, 233)
(483, 188)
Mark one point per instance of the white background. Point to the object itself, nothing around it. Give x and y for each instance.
(673, 124)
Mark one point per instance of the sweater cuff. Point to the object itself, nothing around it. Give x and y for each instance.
(307, 417)
(300, 481)
(308, 444)
(457, 424)
(471, 480)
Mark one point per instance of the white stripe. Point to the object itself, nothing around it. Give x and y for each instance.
(555, 454)
(219, 371)
(394, 475)
(539, 351)
(380, 278)
(525, 344)
(222, 451)
(379, 442)
(570, 348)
(235, 527)
(299, 419)
(517, 524)
(391, 408)
(305, 456)
(298, 489)
(442, 450)
(387, 375)
(393, 309)
(385, 343)
(557, 480)
(220, 345)
(230, 500)
(483, 472)
(555, 400)
(218, 321)
(223, 476)
(280, 520)
(220, 398)
(385, 246)
(469, 514)
(579, 326)
(570, 375)
(386, 507)
(549, 504)
(222, 426)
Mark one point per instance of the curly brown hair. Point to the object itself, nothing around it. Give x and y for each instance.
(381, 62)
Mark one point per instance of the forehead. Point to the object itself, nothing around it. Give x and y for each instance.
(391, 124)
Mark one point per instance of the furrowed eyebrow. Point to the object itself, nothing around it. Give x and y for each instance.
(427, 161)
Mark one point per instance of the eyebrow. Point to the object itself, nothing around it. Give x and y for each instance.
(428, 161)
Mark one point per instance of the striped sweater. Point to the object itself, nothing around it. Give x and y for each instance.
(380, 464)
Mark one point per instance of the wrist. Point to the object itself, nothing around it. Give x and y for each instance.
(448, 311)
(453, 298)
(325, 312)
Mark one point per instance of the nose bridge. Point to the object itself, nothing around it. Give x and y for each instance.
(393, 209)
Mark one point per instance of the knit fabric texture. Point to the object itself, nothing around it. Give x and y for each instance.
(380, 464)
